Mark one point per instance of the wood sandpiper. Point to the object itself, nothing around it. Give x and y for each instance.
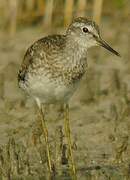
(53, 67)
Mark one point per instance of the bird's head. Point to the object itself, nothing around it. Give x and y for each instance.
(86, 33)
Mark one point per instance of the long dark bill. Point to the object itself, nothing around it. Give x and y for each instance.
(109, 48)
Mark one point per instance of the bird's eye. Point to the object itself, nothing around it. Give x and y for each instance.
(85, 30)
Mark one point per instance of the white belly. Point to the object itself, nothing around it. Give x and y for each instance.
(49, 91)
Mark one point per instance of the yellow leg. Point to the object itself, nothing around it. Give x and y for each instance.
(45, 132)
(68, 135)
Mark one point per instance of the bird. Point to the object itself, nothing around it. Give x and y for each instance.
(53, 67)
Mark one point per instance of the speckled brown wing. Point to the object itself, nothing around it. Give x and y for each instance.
(34, 56)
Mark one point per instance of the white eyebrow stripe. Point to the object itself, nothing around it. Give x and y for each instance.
(90, 27)
(76, 24)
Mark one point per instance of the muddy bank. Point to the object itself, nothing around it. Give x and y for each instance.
(99, 115)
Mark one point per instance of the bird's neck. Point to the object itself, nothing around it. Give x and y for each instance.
(74, 62)
(75, 54)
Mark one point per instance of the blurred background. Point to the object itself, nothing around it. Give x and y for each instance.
(99, 110)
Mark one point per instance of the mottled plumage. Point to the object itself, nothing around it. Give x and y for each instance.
(54, 65)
